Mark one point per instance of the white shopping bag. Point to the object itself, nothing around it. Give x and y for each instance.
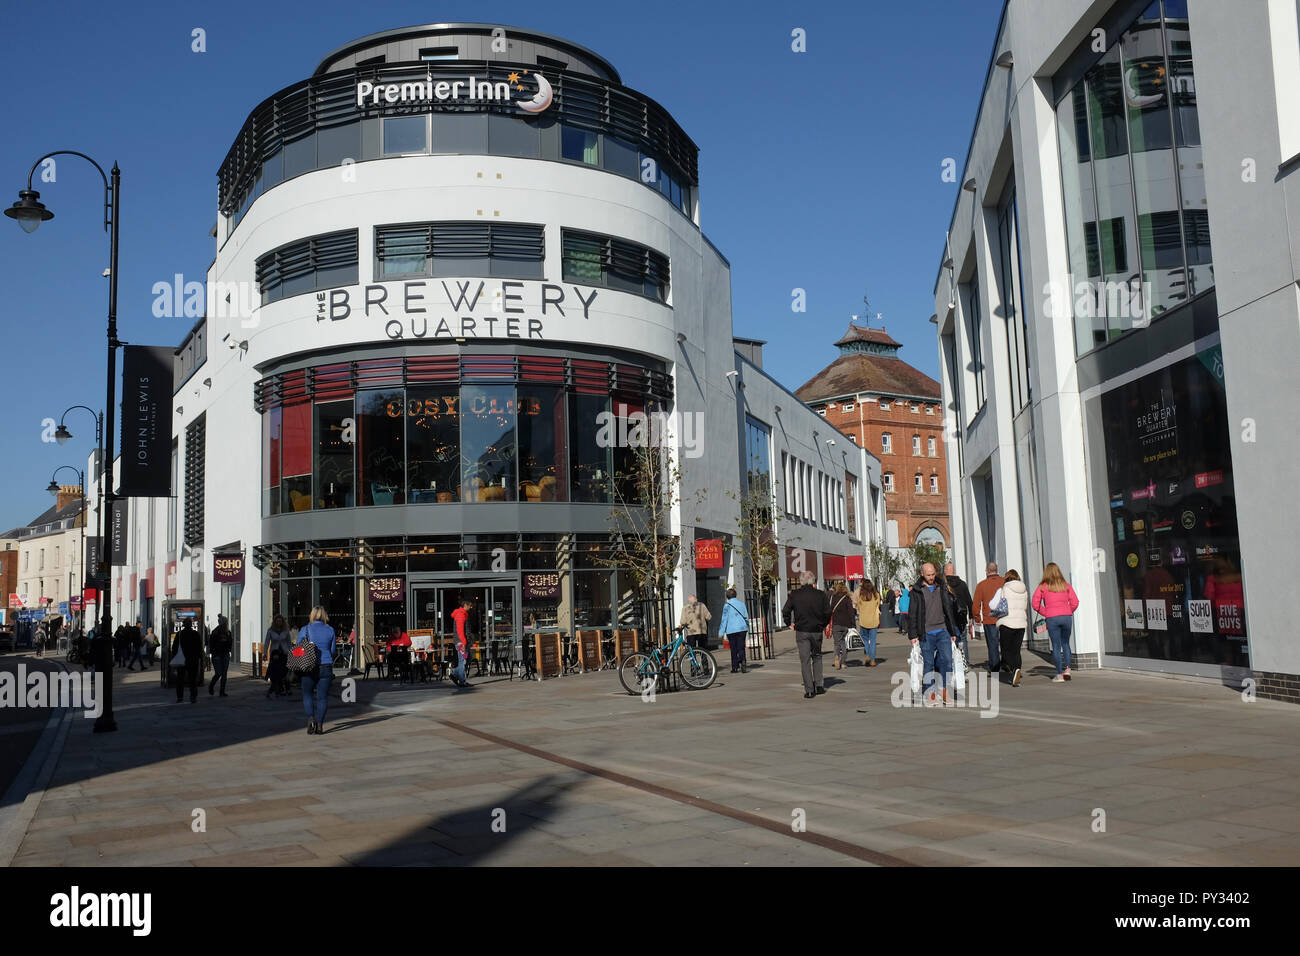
(958, 670)
(914, 659)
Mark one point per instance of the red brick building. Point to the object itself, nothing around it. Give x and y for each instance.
(894, 411)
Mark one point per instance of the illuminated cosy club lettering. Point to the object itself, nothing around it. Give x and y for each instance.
(449, 405)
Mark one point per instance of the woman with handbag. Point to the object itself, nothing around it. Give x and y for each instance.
(735, 627)
(1056, 601)
(868, 605)
(842, 620)
(184, 660)
(316, 681)
(1010, 604)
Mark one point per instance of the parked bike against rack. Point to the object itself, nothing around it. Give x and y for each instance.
(695, 666)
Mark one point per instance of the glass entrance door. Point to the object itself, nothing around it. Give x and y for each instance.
(491, 628)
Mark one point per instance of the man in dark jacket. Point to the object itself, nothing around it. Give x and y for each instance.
(810, 611)
(187, 642)
(220, 644)
(932, 623)
(961, 601)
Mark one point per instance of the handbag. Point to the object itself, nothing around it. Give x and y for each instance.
(304, 658)
(178, 659)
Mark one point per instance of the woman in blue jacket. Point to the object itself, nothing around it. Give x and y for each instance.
(316, 683)
(735, 625)
(904, 601)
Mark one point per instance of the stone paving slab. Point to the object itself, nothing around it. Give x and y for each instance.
(1187, 772)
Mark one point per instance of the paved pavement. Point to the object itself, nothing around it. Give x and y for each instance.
(574, 771)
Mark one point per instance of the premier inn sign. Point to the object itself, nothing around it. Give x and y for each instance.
(467, 92)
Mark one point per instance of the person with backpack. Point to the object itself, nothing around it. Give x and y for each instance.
(277, 651)
(735, 626)
(316, 682)
(1011, 605)
(220, 644)
(868, 606)
(1055, 599)
(842, 620)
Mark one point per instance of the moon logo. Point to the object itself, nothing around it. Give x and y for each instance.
(543, 98)
(1136, 99)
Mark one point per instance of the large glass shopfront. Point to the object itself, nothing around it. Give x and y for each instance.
(1175, 568)
(444, 429)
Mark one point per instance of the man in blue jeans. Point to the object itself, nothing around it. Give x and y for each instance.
(933, 624)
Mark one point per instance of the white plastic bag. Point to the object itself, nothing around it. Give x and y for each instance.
(958, 671)
(914, 659)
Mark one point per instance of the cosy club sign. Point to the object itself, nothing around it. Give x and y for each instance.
(708, 553)
(228, 568)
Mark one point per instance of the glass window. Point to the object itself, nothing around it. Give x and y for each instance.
(460, 133)
(433, 444)
(300, 156)
(621, 158)
(511, 136)
(338, 597)
(589, 462)
(886, 443)
(271, 435)
(934, 484)
(580, 145)
(543, 469)
(333, 461)
(916, 444)
(758, 451)
(380, 429)
(919, 488)
(888, 479)
(884, 404)
(929, 409)
(848, 407)
(592, 605)
(915, 408)
(976, 343)
(930, 446)
(582, 259)
(405, 134)
(487, 443)
(295, 469)
(336, 144)
(632, 440)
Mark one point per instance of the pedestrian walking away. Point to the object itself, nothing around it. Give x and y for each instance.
(696, 618)
(903, 601)
(961, 601)
(220, 644)
(983, 615)
(316, 682)
(1011, 626)
(184, 661)
(932, 624)
(842, 621)
(735, 625)
(461, 616)
(135, 647)
(1055, 599)
(151, 645)
(278, 646)
(868, 604)
(39, 640)
(807, 611)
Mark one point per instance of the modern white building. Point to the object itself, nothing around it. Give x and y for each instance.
(444, 262)
(1119, 326)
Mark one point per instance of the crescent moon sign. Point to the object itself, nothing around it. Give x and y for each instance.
(543, 98)
(1131, 94)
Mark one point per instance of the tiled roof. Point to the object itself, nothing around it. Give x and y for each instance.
(871, 374)
(857, 333)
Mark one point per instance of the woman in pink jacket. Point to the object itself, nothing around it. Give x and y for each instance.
(1057, 602)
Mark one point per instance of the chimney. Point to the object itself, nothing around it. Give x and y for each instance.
(67, 495)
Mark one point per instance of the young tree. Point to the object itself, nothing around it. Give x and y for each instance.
(884, 565)
(759, 515)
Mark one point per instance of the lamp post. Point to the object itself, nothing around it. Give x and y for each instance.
(53, 488)
(30, 212)
(61, 435)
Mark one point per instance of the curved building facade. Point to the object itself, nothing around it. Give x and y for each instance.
(470, 263)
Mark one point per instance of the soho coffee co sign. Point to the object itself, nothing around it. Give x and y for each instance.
(457, 308)
(228, 568)
(470, 91)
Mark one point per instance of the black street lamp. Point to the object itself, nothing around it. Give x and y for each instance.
(30, 213)
(53, 489)
(61, 435)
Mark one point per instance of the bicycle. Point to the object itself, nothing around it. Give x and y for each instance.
(696, 666)
(73, 655)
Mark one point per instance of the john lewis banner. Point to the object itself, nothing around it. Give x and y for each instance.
(146, 421)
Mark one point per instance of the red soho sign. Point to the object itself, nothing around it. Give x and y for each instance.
(708, 553)
(228, 568)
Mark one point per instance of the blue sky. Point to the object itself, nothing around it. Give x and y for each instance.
(819, 170)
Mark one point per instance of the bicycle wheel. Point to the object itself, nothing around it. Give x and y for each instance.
(698, 668)
(635, 671)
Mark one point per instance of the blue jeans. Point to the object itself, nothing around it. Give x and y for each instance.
(1058, 629)
(994, 641)
(869, 641)
(936, 651)
(316, 692)
(459, 673)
